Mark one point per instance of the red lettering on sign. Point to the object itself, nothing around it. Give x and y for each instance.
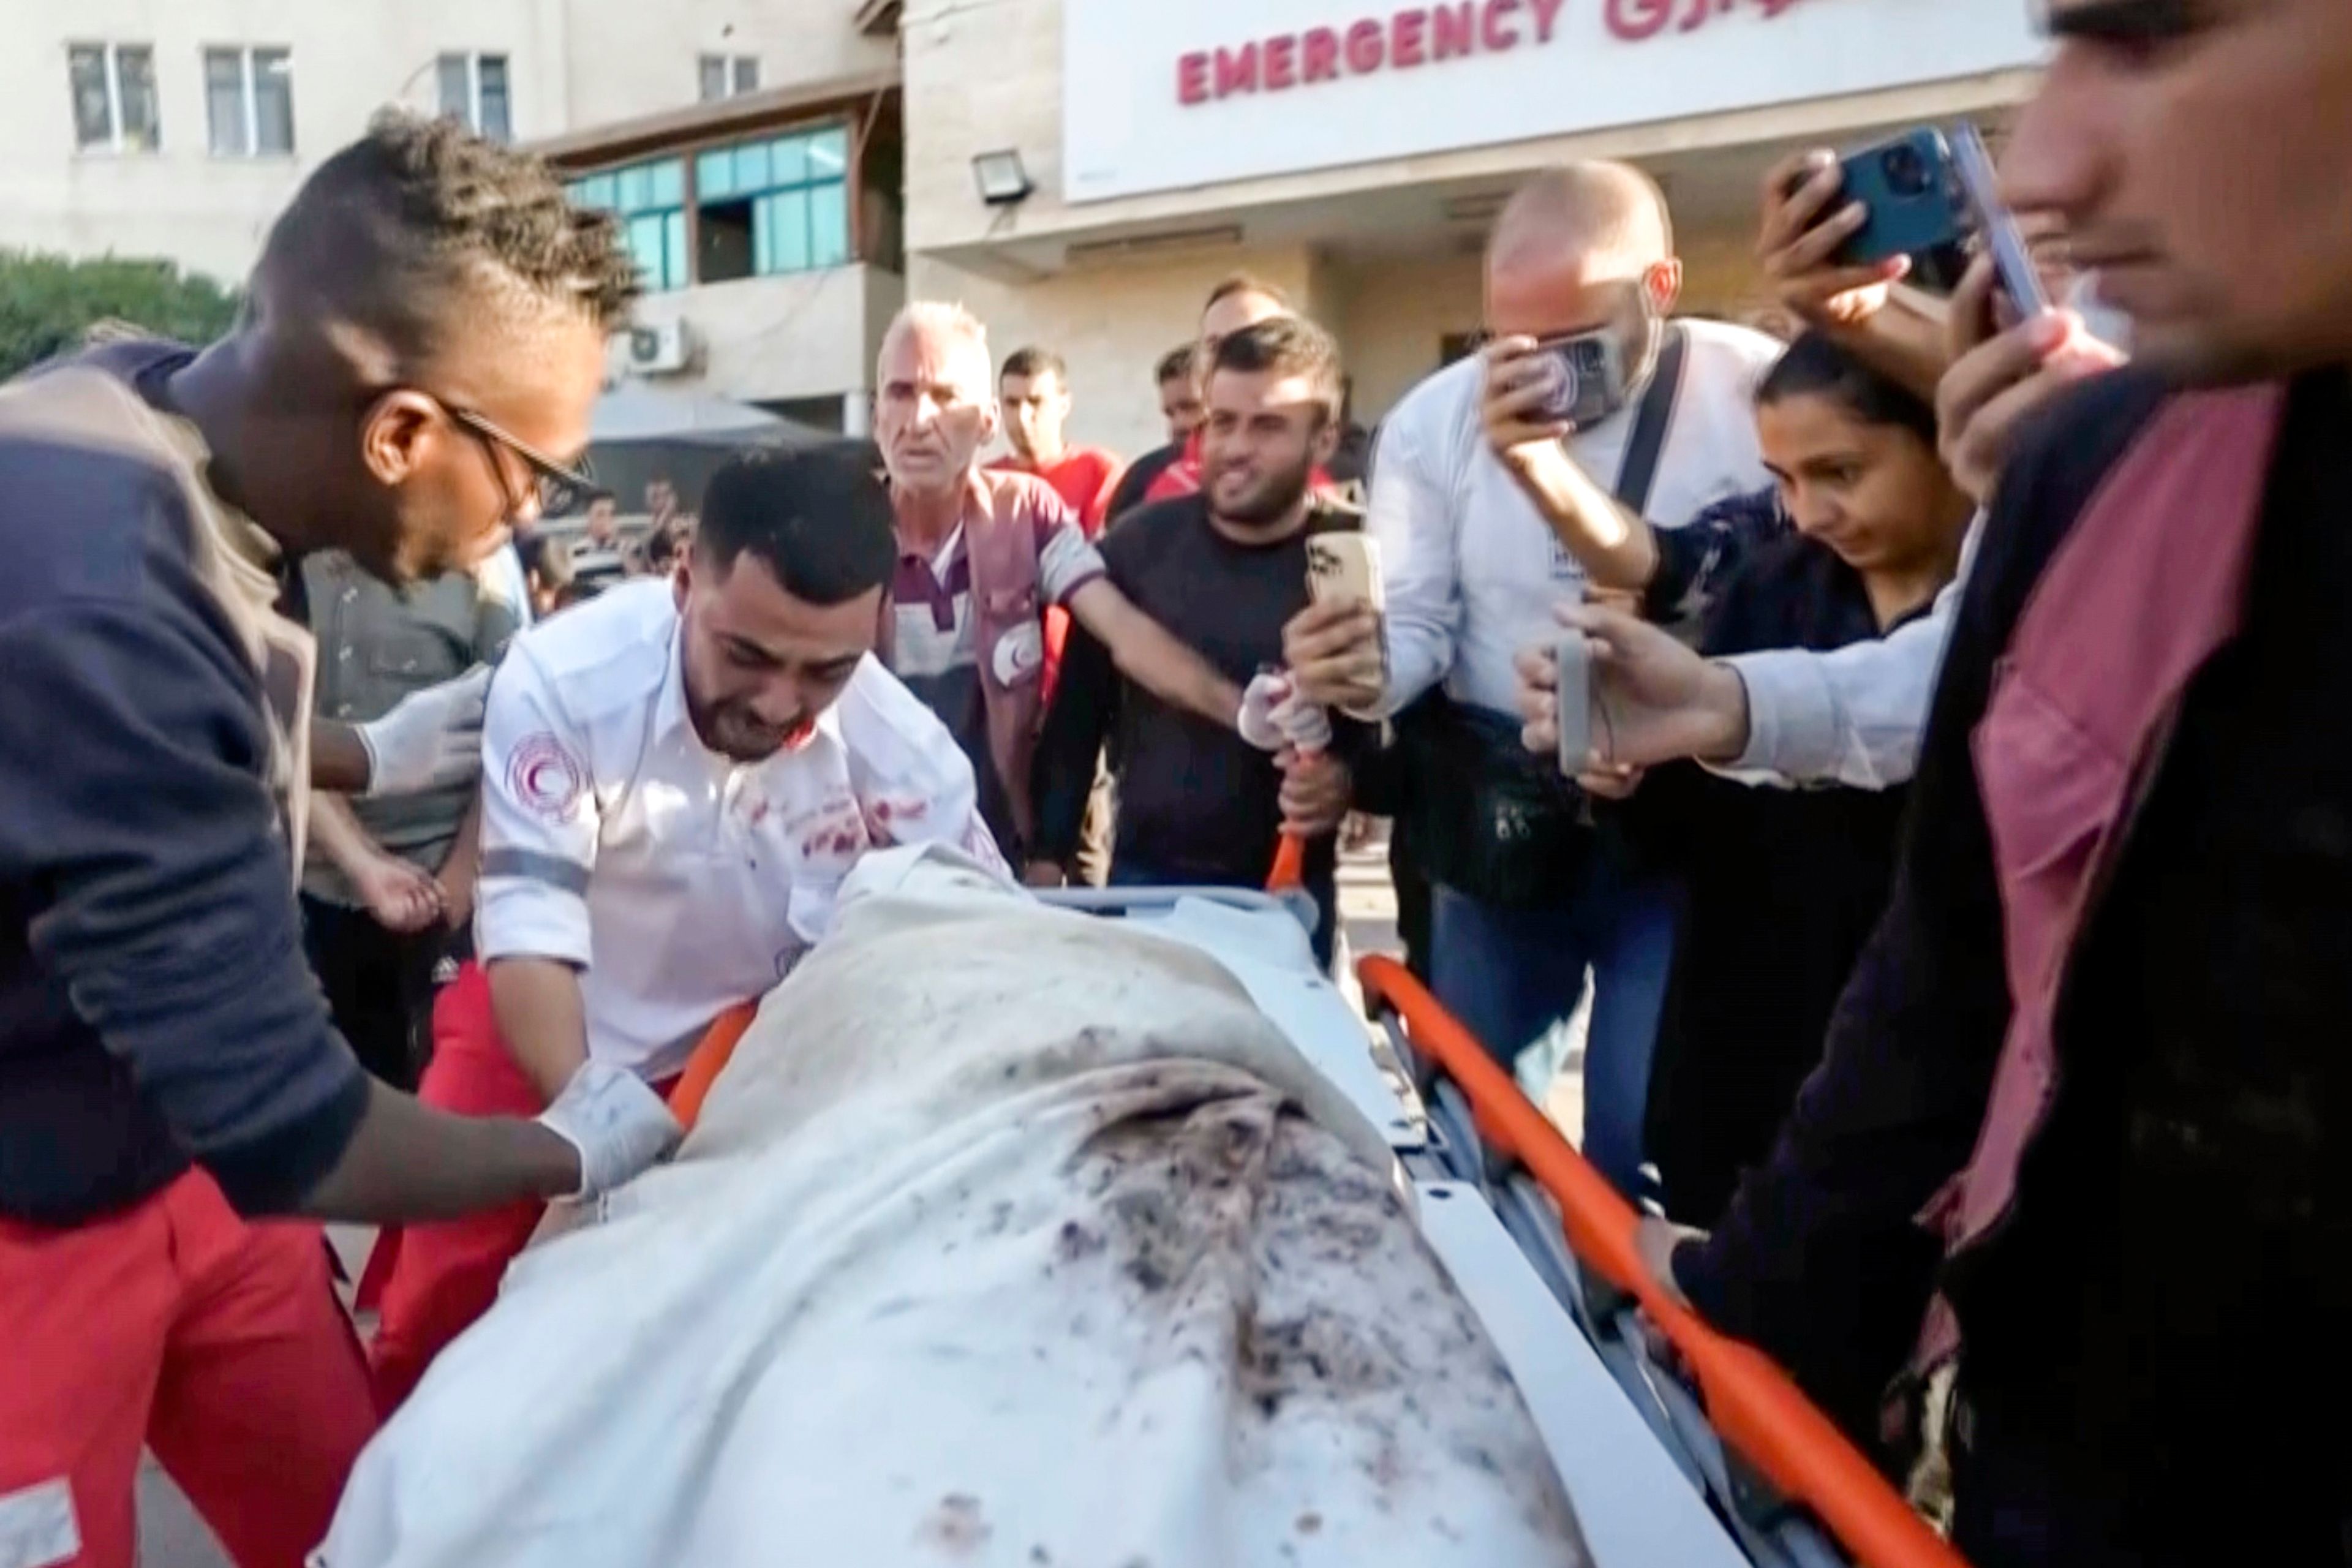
(1237, 71)
(1636, 20)
(1319, 52)
(1409, 45)
(1417, 35)
(1192, 79)
(1494, 28)
(1281, 62)
(1453, 28)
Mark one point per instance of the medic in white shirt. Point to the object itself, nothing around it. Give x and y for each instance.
(677, 776)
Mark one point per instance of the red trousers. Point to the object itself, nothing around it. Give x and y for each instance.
(217, 1341)
(430, 1282)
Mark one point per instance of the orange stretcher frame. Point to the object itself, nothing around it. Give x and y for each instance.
(1752, 1404)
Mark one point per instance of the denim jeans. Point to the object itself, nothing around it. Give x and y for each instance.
(1513, 975)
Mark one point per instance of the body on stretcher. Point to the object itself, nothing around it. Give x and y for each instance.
(1744, 1471)
(696, 1342)
(1651, 1479)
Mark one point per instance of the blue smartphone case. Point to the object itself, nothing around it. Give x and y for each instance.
(1913, 193)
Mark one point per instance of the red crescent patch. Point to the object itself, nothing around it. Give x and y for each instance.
(544, 776)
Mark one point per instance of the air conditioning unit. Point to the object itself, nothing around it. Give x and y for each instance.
(665, 350)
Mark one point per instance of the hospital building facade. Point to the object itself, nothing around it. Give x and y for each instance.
(1078, 171)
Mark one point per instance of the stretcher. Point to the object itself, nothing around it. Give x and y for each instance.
(1744, 1468)
(1733, 1466)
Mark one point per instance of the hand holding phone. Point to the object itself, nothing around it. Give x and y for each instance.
(1996, 226)
(1587, 373)
(1911, 199)
(1345, 569)
(1572, 703)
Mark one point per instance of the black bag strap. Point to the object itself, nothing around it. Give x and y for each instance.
(1639, 472)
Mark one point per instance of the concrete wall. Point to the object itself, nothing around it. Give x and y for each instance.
(628, 57)
(571, 63)
(348, 57)
(1391, 316)
(768, 339)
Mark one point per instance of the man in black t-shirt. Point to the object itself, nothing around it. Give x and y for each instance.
(1224, 570)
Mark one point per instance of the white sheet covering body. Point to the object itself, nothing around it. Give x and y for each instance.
(1010, 1236)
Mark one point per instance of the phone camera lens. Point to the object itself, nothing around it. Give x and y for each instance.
(1906, 173)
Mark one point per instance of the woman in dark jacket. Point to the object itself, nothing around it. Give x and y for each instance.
(1784, 885)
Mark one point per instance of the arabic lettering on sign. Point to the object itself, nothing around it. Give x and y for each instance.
(1635, 20)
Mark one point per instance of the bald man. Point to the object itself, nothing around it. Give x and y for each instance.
(1530, 895)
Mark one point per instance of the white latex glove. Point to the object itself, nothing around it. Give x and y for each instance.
(621, 1128)
(1274, 716)
(433, 740)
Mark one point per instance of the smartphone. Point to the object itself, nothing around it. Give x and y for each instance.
(1912, 195)
(1572, 705)
(1345, 568)
(1588, 377)
(1996, 224)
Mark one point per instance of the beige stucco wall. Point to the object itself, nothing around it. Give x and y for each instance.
(571, 63)
(1390, 317)
(348, 57)
(766, 339)
(628, 57)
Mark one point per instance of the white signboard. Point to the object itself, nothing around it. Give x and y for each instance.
(1163, 94)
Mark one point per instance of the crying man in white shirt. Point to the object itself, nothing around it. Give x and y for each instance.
(678, 778)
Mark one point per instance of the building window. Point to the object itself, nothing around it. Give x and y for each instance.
(113, 96)
(474, 92)
(650, 201)
(764, 208)
(729, 76)
(249, 98)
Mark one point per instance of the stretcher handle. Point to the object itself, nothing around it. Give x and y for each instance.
(711, 1055)
(1751, 1402)
(1289, 865)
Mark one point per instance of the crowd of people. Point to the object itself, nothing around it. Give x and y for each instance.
(1954, 889)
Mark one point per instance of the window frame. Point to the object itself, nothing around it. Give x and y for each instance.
(729, 71)
(109, 59)
(690, 154)
(470, 113)
(248, 58)
(767, 196)
(627, 217)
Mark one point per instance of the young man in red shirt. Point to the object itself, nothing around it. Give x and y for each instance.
(1034, 390)
(1180, 405)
